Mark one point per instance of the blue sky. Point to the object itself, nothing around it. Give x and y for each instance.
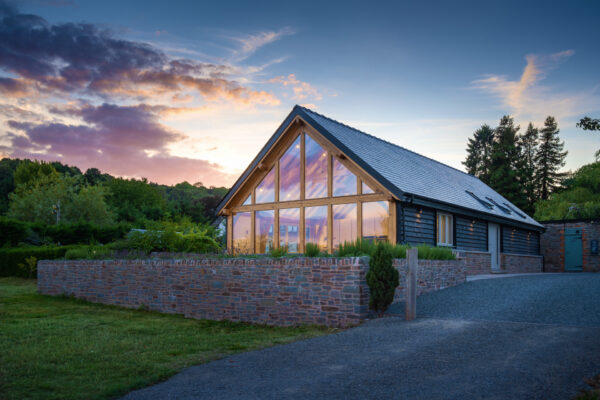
(423, 75)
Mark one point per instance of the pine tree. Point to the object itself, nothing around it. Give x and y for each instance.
(549, 159)
(479, 151)
(506, 163)
(528, 145)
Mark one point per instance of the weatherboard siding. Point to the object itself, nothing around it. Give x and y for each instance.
(520, 241)
(471, 234)
(419, 226)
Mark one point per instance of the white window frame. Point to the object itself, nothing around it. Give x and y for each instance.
(445, 237)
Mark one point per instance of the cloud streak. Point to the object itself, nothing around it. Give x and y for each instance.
(528, 98)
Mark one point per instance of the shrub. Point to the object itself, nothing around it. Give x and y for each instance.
(89, 253)
(382, 278)
(10, 258)
(360, 247)
(367, 248)
(312, 250)
(197, 241)
(277, 252)
(29, 268)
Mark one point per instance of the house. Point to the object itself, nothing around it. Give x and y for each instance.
(317, 180)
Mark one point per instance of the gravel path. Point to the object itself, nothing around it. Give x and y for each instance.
(521, 338)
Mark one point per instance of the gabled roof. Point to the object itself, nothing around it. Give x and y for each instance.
(404, 173)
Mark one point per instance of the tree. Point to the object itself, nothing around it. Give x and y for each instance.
(479, 151)
(382, 278)
(528, 145)
(52, 199)
(589, 124)
(549, 159)
(506, 163)
(579, 199)
(136, 199)
(7, 183)
(29, 171)
(93, 176)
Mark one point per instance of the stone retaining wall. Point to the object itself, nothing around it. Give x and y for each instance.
(432, 275)
(283, 291)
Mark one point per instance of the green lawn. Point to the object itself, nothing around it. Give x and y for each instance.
(61, 348)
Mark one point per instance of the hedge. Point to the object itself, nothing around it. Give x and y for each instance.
(10, 258)
(14, 232)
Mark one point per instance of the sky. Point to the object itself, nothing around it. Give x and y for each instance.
(191, 91)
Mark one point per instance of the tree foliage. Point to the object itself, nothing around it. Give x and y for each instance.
(54, 198)
(579, 199)
(549, 159)
(506, 163)
(528, 144)
(589, 124)
(522, 168)
(479, 151)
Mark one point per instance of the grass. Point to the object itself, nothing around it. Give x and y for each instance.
(62, 348)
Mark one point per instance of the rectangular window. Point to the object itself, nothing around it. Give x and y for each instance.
(242, 239)
(444, 229)
(315, 222)
(344, 224)
(264, 227)
(375, 220)
(289, 227)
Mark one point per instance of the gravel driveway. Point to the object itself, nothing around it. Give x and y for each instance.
(530, 337)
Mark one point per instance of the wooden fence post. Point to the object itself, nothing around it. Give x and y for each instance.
(412, 258)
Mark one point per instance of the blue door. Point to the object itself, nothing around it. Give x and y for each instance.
(573, 250)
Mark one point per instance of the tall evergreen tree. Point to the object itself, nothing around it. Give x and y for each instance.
(479, 153)
(549, 158)
(528, 145)
(506, 163)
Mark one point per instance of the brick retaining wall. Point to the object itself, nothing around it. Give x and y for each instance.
(552, 245)
(284, 291)
(520, 263)
(477, 262)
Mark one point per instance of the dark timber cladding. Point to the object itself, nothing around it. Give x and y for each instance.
(419, 226)
(519, 241)
(471, 234)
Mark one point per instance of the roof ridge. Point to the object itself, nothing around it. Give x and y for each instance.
(386, 141)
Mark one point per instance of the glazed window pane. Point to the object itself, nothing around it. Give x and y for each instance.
(315, 175)
(375, 220)
(289, 173)
(264, 226)
(344, 181)
(289, 228)
(241, 233)
(344, 224)
(265, 191)
(315, 225)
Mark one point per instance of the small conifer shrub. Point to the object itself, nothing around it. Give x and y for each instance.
(382, 278)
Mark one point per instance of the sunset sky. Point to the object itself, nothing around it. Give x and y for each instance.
(178, 90)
